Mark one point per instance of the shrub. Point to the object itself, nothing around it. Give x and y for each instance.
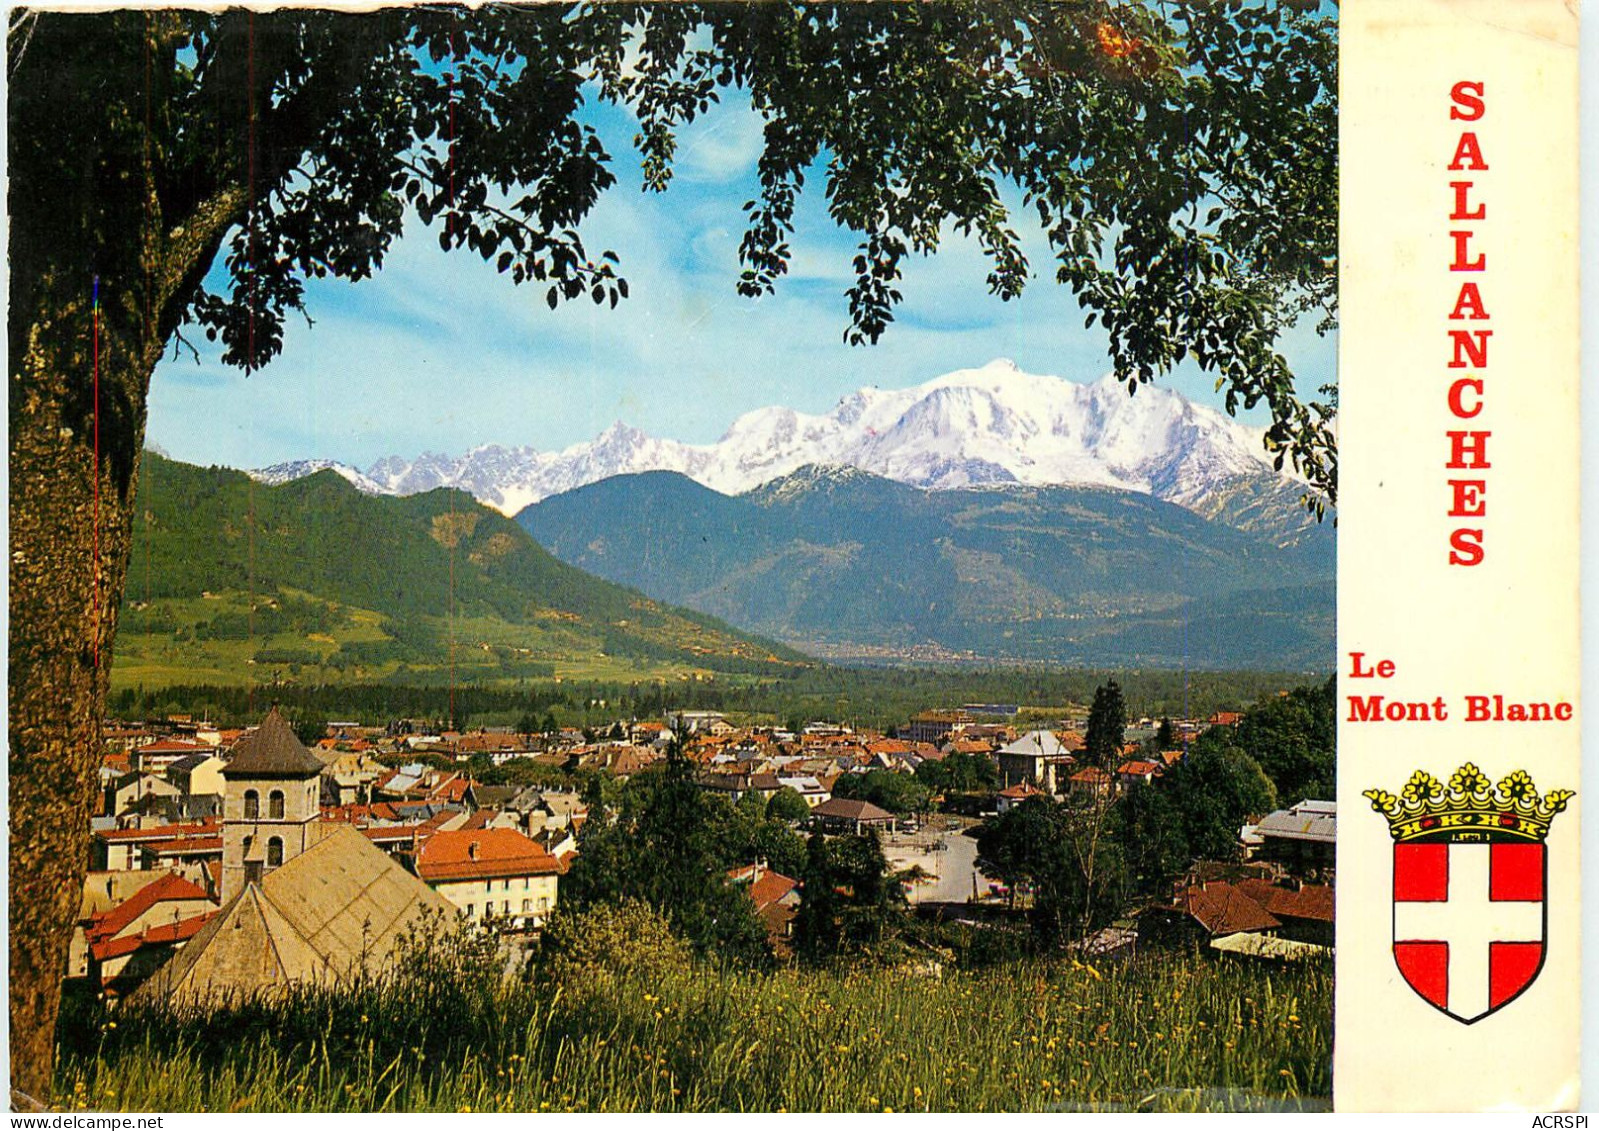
(626, 939)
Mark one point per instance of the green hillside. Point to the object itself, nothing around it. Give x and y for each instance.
(848, 564)
(233, 580)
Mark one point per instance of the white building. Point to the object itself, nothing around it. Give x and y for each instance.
(494, 875)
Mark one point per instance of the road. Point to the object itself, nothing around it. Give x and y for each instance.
(954, 865)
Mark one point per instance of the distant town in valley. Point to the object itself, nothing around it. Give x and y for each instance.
(1225, 827)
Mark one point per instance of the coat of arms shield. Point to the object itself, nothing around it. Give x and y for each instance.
(1470, 864)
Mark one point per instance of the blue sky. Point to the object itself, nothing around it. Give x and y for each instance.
(439, 352)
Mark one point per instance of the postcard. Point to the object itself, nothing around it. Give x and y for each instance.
(788, 557)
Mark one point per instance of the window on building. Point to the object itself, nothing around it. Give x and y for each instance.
(274, 851)
(252, 805)
(275, 804)
(527, 905)
(471, 910)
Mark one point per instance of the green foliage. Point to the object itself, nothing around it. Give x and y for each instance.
(787, 805)
(1168, 1031)
(1152, 830)
(1107, 727)
(896, 792)
(670, 844)
(959, 773)
(1216, 788)
(872, 696)
(627, 939)
(1294, 737)
(1064, 857)
(851, 905)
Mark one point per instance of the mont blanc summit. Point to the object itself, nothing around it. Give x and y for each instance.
(992, 425)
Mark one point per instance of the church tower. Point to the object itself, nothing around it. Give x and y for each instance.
(271, 805)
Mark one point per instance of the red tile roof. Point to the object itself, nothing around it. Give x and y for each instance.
(180, 931)
(452, 790)
(468, 854)
(211, 826)
(114, 921)
(767, 888)
(851, 809)
(1312, 901)
(1139, 768)
(1225, 909)
(175, 746)
(187, 845)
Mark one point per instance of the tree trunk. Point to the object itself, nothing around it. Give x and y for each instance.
(71, 518)
(87, 222)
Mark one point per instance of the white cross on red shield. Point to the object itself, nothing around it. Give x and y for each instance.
(1469, 922)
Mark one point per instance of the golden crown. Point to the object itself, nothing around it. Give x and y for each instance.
(1470, 803)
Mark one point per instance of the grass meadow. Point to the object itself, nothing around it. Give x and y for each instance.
(1161, 1031)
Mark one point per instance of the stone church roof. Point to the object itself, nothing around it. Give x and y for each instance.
(272, 750)
(340, 906)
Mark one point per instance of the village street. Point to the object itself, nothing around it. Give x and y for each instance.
(944, 853)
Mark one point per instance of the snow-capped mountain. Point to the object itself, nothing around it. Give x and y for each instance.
(973, 427)
(299, 468)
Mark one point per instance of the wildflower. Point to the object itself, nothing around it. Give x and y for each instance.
(917, 1092)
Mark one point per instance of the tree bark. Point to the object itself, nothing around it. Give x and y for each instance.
(86, 221)
(70, 524)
